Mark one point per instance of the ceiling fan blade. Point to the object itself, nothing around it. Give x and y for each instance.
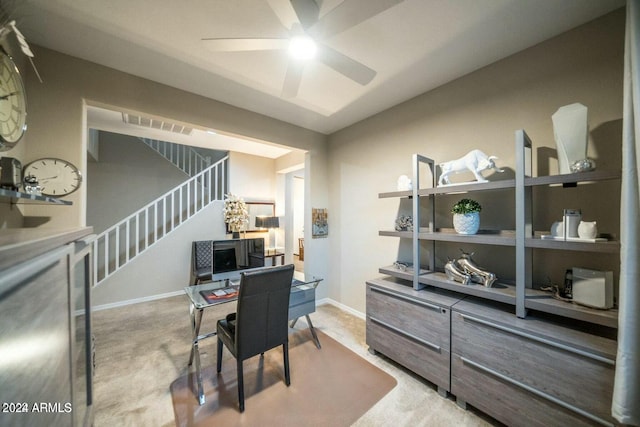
(349, 67)
(292, 79)
(307, 11)
(238, 45)
(349, 14)
(285, 12)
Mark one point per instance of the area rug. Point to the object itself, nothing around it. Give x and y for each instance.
(332, 386)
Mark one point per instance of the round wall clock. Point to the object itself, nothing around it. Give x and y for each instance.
(56, 177)
(13, 104)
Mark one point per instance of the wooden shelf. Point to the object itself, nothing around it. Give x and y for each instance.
(573, 178)
(392, 194)
(544, 302)
(20, 197)
(467, 187)
(611, 247)
(487, 237)
(405, 234)
(499, 292)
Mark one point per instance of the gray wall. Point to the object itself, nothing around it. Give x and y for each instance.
(128, 175)
(165, 268)
(481, 110)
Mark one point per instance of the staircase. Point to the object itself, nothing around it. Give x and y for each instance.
(119, 245)
(183, 157)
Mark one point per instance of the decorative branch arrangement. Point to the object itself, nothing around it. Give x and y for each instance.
(236, 214)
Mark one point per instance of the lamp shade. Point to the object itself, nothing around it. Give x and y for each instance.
(267, 222)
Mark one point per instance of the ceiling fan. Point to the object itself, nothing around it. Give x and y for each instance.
(307, 30)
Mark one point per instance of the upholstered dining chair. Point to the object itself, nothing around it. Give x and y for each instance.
(202, 254)
(260, 321)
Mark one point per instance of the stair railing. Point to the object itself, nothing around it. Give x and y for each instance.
(132, 236)
(183, 157)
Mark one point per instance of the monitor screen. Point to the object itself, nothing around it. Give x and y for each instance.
(237, 254)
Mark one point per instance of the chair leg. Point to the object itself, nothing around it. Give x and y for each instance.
(219, 361)
(287, 375)
(240, 386)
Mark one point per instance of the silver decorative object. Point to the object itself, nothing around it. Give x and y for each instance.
(31, 185)
(400, 266)
(583, 165)
(455, 273)
(465, 271)
(404, 223)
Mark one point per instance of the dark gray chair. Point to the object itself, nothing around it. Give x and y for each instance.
(202, 254)
(260, 321)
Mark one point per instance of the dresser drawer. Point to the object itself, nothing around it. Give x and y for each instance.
(578, 378)
(508, 403)
(415, 317)
(426, 359)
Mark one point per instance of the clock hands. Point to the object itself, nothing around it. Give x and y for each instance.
(2, 98)
(48, 178)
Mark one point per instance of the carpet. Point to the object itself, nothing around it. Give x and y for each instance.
(332, 386)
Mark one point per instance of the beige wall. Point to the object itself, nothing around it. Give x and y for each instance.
(57, 123)
(57, 127)
(481, 110)
(252, 177)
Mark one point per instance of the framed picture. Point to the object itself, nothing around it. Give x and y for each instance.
(319, 224)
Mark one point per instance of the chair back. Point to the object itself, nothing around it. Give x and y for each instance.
(202, 255)
(263, 310)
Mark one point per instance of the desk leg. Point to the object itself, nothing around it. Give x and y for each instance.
(196, 320)
(313, 331)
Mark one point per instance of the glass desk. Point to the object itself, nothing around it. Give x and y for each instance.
(302, 302)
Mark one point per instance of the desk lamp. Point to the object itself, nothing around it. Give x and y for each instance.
(270, 223)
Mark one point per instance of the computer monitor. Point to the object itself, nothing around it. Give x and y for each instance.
(237, 254)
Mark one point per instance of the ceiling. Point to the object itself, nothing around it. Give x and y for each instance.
(413, 47)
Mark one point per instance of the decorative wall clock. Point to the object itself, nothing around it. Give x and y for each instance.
(13, 104)
(56, 177)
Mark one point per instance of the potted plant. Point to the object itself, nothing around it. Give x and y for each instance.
(466, 216)
(236, 214)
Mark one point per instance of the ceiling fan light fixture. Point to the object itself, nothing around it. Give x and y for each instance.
(302, 47)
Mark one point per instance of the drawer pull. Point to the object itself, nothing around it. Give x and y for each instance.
(408, 299)
(405, 334)
(535, 391)
(541, 340)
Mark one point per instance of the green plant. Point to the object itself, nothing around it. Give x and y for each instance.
(466, 206)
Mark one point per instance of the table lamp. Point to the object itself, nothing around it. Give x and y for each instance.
(270, 223)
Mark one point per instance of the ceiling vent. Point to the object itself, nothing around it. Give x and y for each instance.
(156, 124)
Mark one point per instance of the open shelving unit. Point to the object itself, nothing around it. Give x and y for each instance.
(520, 293)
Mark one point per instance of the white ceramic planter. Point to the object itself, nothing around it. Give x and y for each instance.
(466, 223)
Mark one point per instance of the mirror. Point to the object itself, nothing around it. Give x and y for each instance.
(259, 209)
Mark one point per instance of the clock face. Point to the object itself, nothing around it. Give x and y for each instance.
(13, 105)
(56, 177)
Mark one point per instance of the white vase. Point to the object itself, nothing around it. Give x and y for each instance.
(570, 129)
(587, 230)
(466, 223)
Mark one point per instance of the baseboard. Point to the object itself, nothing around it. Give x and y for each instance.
(136, 300)
(341, 307)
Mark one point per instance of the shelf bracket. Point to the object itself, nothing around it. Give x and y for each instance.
(524, 227)
(416, 161)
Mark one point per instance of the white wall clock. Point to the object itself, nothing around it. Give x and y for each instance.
(56, 177)
(13, 104)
